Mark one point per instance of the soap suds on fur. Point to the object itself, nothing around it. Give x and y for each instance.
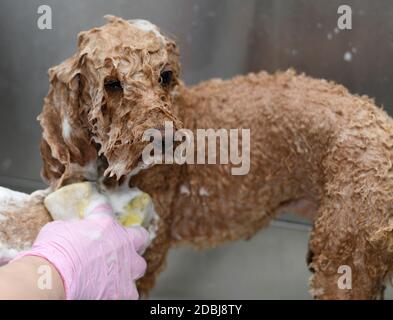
(89, 170)
(66, 129)
(203, 192)
(184, 190)
(147, 26)
(11, 198)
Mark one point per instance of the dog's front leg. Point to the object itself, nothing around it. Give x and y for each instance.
(155, 257)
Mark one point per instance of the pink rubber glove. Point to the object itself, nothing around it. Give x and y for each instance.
(97, 258)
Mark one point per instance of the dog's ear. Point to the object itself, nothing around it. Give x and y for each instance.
(66, 146)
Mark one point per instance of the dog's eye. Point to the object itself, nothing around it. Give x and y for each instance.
(113, 85)
(166, 78)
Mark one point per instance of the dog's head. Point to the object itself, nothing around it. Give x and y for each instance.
(119, 83)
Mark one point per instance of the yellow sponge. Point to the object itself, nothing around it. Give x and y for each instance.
(131, 206)
(134, 211)
(69, 202)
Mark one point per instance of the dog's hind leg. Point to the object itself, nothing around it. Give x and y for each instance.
(351, 244)
(345, 263)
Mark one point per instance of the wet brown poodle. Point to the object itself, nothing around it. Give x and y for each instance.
(312, 142)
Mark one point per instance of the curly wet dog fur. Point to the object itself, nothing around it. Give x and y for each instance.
(311, 142)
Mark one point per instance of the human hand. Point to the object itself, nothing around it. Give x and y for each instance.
(96, 257)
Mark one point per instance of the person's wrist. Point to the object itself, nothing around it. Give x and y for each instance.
(49, 279)
(38, 275)
(57, 262)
